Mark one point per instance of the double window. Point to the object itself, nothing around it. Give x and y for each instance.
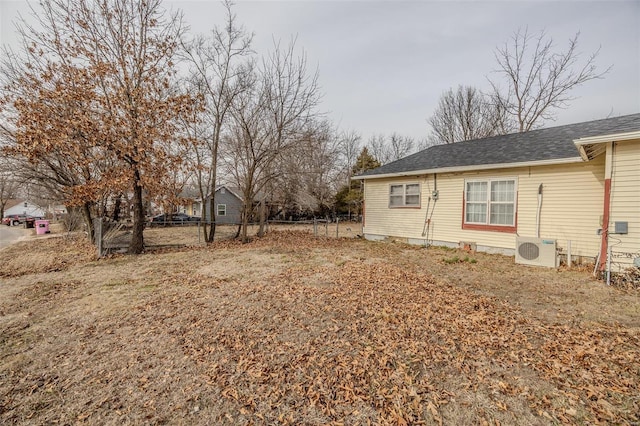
(405, 195)
(490, 203)
(221, 210)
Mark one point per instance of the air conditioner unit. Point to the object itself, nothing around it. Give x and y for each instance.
(536, 251)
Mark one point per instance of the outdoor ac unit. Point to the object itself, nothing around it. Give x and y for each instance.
(536, 251)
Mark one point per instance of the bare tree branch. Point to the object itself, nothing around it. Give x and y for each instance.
(218, 63)
(270, 119)
(466, 114)
(539, 79)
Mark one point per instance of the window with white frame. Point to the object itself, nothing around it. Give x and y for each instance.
(222, 210)
(490, 202)
(404, 195)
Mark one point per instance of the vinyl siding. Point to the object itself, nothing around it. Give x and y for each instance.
(571, 209)
(30, 210)
(625, 202)
(233, 204)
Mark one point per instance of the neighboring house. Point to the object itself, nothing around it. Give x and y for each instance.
(228, 206)
(192, 207)
(23, 207)
(574, 184)
(191, 203)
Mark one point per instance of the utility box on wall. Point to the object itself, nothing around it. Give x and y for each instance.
(621, 227)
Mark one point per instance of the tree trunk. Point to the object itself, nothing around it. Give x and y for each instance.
(212, 217)
(261, 230)
(137, 237)
(203, 211)
(88, 220)
(116, 208)
(245, 223)
(214, 177)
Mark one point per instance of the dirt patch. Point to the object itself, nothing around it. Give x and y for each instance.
(291, 329)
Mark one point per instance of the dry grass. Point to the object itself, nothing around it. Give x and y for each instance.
(291, 329)
(192, 235)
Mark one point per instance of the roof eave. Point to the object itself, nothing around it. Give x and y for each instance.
(471, 168)
(589, 147)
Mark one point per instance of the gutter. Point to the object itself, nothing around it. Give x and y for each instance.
(471, 168)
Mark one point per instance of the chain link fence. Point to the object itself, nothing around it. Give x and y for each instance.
(114, 237)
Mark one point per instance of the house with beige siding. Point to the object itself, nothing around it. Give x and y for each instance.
(575, 187)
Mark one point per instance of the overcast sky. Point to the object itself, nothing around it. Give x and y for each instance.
(384, 64)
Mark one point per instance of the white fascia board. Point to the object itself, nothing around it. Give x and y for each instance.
(614, 137)
(473, 168)
(595, 140)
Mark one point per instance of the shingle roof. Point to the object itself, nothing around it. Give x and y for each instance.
(553, 143)
(13, 202)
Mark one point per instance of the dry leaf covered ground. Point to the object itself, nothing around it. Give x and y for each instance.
(291, 329)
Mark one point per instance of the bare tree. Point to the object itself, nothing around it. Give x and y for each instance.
(217, 64)
(349, 147)
(309, 174)
(386, 150)
(424, 143)
(377, 147)
(400, 146)
(466, 114)
(539, 78)
(268, 121)
(319, 168)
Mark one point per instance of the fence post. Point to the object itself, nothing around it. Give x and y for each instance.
(326, 227)
(315, 227)
(337, 226)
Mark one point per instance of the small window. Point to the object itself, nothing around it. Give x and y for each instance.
(405, 195)
(222, 210)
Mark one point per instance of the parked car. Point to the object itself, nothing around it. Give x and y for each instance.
(173, 219)
(14, 219)
(19, 219)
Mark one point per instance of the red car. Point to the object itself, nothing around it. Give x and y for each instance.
(17, 219)
(14, 219)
